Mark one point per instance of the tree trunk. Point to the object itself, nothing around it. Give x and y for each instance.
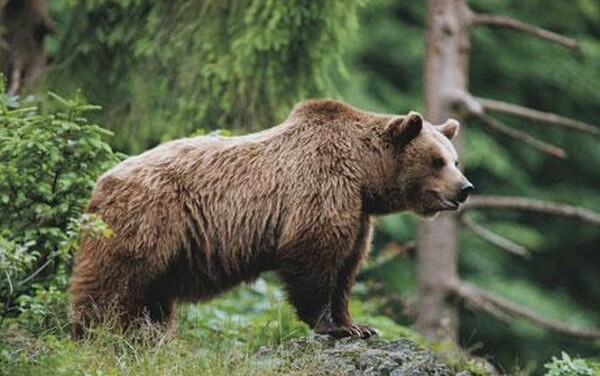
(447, 47)
(23, 26)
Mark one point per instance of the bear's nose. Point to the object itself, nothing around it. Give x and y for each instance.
(465, 191)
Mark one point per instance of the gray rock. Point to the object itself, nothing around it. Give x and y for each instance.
(359, 357)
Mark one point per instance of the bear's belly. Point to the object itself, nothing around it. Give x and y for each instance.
(199, 276)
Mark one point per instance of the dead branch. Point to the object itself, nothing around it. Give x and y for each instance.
(394, 249)
(479, 19)
(499, 307)
(35, 273)
(528, 113)
(526, 138)
(493, 238)
(478, 301)
(534, 205)
(463, 104)
(390, 252)
(466, 105)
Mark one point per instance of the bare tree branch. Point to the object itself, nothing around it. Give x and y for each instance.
(466, 105)
(394, 249)
(499, 307)
(528, 113)
(510, 23)
(534, 205)
(526, 138)
(389, 252)
(35, 273)
(463, 103)
(478, 301)
(493, 238)
(10, 285)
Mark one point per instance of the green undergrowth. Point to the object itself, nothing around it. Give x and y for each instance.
(221, 337)
(111, 354)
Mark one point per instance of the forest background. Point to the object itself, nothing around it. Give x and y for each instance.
(162, 70)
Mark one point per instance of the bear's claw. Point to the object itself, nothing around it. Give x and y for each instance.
(367, 331)
(351, 330)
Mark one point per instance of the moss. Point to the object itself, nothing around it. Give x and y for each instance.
(352, 356)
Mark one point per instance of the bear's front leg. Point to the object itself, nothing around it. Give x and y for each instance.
(340, 314)
(313, 291)
(310, 294)
(345, 280)
(310, 287)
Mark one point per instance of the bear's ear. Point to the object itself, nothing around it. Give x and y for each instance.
(449, 128)
(404, 129)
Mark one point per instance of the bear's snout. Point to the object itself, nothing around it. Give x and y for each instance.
(465, 191)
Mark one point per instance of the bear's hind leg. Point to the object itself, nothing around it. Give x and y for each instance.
(108, 296)
(159, 310)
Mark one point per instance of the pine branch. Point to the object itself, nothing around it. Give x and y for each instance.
(510, 23)
(528, 113)
(534, 205)
(500, 307)
(493, 238)
(526, 138)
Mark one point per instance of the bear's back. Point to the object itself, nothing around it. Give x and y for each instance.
(307, 167)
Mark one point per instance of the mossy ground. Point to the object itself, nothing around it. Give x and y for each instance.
(228, 336)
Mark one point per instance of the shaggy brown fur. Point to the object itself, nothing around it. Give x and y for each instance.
(194, 217)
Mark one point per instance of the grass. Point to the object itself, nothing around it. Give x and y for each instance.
(222, 337)
(218, 338)
(110, 354)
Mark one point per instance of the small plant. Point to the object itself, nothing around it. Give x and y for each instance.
(50, 157)
(567, 366)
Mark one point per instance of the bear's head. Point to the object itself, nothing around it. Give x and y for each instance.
(420, 168)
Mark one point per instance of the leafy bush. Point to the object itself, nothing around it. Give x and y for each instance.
(50, 157)
(567, 366)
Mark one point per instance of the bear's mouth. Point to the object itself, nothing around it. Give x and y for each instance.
(449, 204)
(446, 203)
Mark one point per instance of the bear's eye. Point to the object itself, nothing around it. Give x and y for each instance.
(456, 163)
(438, 163)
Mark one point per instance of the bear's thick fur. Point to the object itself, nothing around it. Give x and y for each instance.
(195, 217)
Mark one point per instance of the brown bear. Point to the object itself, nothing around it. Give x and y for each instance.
(195, 217)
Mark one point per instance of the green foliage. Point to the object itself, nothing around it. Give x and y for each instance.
(251, 316)
(567, 366)
(49, 160)
(171, 67)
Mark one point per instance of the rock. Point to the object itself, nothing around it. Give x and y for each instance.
(359, 357)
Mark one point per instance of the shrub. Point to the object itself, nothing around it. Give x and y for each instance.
(567, 366)
(50, 157)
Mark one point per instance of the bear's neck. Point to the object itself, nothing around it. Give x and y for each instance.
(381, 193)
